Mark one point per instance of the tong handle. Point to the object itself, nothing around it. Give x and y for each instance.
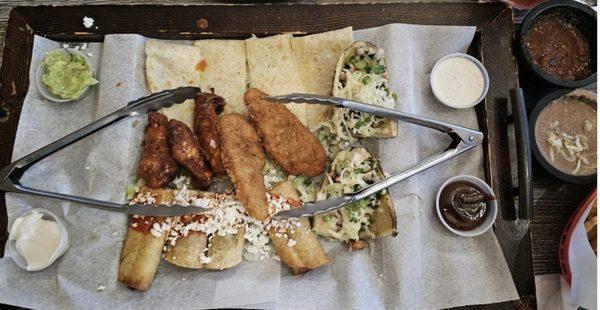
(11, 174)
(467, 135)
(15, 170)
(406, 173)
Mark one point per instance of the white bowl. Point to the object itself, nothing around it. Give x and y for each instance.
(63, 245)
(486, 80)
(43, 89)
(493, 205)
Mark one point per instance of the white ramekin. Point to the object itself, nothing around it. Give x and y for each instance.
(493, 205)
(486, 80)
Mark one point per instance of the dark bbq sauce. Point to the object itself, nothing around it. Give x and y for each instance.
(463, 205)
(559, 48)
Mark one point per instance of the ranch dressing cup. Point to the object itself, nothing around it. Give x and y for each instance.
(37, 238)
(459, 81)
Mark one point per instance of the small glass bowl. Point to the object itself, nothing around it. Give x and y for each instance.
(63, 245)
(43, 89)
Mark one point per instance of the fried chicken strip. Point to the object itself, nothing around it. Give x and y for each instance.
(284, 137)
(206, 110)
(244, 160)
(157, 167)
(186, 151)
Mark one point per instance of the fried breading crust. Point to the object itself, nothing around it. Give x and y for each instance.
(244, 160)
(186, 151)
(157, 167)
(207, 107)
(284, 137)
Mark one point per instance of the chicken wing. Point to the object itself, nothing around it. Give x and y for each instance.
(244, 160)
(186, 151)
(284, 137)
(207, 106)
(157, 167)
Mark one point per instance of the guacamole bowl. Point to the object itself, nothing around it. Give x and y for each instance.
(64, 75)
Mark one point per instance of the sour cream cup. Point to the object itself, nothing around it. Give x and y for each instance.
(447, 80)
(63, 245)
(43, 89)
(493, 205)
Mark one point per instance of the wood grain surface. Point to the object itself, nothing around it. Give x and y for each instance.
(7, 5)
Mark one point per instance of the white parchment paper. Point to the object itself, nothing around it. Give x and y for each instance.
(424, 266)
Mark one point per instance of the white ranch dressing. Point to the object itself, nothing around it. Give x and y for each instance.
(36, 239)
(458, 82)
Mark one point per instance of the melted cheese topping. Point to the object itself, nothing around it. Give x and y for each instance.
(352, 170)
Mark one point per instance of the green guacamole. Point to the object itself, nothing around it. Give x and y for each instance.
(66, 75)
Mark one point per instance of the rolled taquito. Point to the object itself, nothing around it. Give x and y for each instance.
(294, 241)
(144, 242)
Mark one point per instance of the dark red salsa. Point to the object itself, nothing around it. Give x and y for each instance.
(559, 48)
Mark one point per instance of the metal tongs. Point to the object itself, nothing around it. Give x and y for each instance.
(463, 139)
(11, 174)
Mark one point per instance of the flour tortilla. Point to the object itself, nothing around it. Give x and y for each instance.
(272, 69)
(225, 71)
(172, 65)
(316, 56)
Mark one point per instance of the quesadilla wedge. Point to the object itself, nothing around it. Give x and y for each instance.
(316, 56)
(271, 67)
(361, 74)
(171, 65)
(370, 218)
(297, 245)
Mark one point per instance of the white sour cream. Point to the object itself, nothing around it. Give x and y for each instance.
(36, 239)
(458, 82)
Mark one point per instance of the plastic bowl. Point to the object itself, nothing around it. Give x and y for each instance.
(46, 93)
(63, 245)
(486, 80)
(493, 205)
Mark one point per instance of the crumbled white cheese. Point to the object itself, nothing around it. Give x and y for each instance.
(159, 228)
(201, 202)
(182, 180)
(100, 288)
(291, 243)
(203, 258)
(88, 22)
(143, 198)
(272, 174)
(213, 143)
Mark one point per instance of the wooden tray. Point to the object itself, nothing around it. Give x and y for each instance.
(492, 45)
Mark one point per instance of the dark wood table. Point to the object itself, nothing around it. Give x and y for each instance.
(527, 254)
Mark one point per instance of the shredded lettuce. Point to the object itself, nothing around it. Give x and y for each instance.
(363, 79)
(273, 174)
(351, 170)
